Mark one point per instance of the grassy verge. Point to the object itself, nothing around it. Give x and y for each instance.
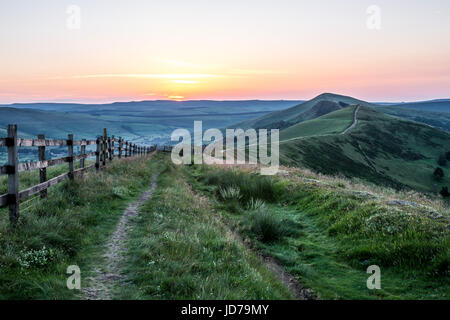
(67, 228)
(328, 236)
(180, 249)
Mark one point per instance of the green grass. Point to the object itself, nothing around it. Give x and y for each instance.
(180, 249)
(332, 123)
(68, 228)
(327, 238)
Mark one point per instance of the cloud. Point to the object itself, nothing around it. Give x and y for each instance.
(173, 76)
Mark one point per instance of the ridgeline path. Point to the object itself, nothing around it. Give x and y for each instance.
(355, 121)
(110, 275)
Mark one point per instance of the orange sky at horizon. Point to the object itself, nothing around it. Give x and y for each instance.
(290, 50)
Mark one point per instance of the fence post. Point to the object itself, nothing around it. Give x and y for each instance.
(120, 147)
(83, 152)
(70, 151)
(109, 149)
(97, 155)
(112, 148)
(130, 149)
(105, 139)
(43, 171)
(13, 176)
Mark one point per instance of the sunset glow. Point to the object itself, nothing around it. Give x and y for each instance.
(223, 50)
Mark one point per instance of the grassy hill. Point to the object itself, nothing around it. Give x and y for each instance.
(331, 123)
(381, 149)
(439, 120)
(435, 113)
(320, 105)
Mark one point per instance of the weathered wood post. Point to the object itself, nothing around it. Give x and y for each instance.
(70, 156)
(120, 147)
(43, 171)
(105, 147)
(126, 149)
(131, 149)
(97, 154)
(108, 154)
(13, 174)
(112, 149)
(83, 152)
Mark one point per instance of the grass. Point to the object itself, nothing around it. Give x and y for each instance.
(67, 228)
(332, 123)
(327, 235)
(380, 149)
(180, 249)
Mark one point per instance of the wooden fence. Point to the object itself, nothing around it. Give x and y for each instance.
(105, 152)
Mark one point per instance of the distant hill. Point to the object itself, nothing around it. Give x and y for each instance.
(320, 105)
(381, 149)
(144, 121)
(435, 112)
(440, 105)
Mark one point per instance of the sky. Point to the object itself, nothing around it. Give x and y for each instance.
(97, 51)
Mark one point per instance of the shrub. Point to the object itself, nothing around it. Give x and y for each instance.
(438, 174)
(267, 227)
(444, 192)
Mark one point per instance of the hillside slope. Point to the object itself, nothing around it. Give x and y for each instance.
(435, 112)
(320, 105)
(381, 149)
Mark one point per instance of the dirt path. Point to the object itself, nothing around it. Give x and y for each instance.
(110, 274)
(355, 121)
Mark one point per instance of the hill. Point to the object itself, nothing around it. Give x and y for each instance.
(440, 105)
(380, 148)
(435, 112)
(320, 105)
(145, 121)
(331, 123)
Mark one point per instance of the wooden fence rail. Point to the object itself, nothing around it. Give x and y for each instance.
(105, 151)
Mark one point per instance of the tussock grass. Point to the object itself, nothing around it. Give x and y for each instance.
(327, 230)
(66, 228)
(250, 186)
(266, 226)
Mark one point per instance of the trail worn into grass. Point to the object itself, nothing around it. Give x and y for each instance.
(110, 275)
(355, 121)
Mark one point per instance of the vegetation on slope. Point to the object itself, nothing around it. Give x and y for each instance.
(326, 234)
(320, 105)
(332, 123)
(380, 149)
